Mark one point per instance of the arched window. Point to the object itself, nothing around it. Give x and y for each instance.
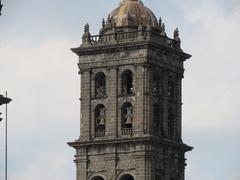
(100, 118)
(127, 83)
(127, 118)
(170, 122)
(127, 177)
(97, 178)
(100, 85)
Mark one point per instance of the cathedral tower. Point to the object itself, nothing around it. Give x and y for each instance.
(131, 76)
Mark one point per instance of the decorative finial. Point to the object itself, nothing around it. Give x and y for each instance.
(86, 28)
(163, 33)
(108, 23)
(103, 23)
(177, 42)
(163, 27)
(109, 19)
(160, 22)
(103, 27)
(86, 36)
(176, 35)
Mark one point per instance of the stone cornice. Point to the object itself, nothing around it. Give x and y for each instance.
(119, 47)
(143, 139)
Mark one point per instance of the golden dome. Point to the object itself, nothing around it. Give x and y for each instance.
(131, 13)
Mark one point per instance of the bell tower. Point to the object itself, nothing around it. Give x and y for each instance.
(131, 103)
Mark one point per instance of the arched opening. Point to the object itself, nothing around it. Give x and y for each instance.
(97, 178)
(100, 118)
(127, 177)
(127, 118)
(127, 83)
(100, 85)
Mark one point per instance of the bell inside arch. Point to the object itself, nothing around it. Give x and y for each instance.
(101, 122)
(102, 117)
(128, 121)
(129, 116)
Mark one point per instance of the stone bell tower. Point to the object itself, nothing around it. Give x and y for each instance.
(131, 122)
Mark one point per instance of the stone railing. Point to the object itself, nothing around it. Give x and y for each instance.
(99, 132)
(138, 35)
(127, 131)
(113, 37)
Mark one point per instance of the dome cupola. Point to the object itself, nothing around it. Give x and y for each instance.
(132, 13)
(131, 21)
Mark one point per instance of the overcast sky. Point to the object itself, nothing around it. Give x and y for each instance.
(39, 72)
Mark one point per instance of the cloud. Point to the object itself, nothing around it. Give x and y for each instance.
(235, 177)
(40, 73)
(210, 91)
(212, 73)
(41, 80)
(46, 165)
(43, 116)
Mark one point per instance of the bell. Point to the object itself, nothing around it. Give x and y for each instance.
(102, 117)
(129, 116)
(129, 120)
(101, 122)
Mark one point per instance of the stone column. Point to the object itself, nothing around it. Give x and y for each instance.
(179, 107)
(151, 101)
(81, 164)
(138, 114)
(146, 99)
(112, 115)
(85, 129)
(150, 169)
(111, 162)
(140, 166)
(182, 165)
(165, 102)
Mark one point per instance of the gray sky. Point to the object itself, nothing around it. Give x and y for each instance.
(39, 72)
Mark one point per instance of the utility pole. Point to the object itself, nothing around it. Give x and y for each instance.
(5, 100)
(1, 7)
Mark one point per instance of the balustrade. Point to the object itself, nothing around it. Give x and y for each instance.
(127, 131)
(99, 132)
(131, 36)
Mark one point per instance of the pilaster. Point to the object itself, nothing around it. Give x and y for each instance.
(85, 116)
(112, 116)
